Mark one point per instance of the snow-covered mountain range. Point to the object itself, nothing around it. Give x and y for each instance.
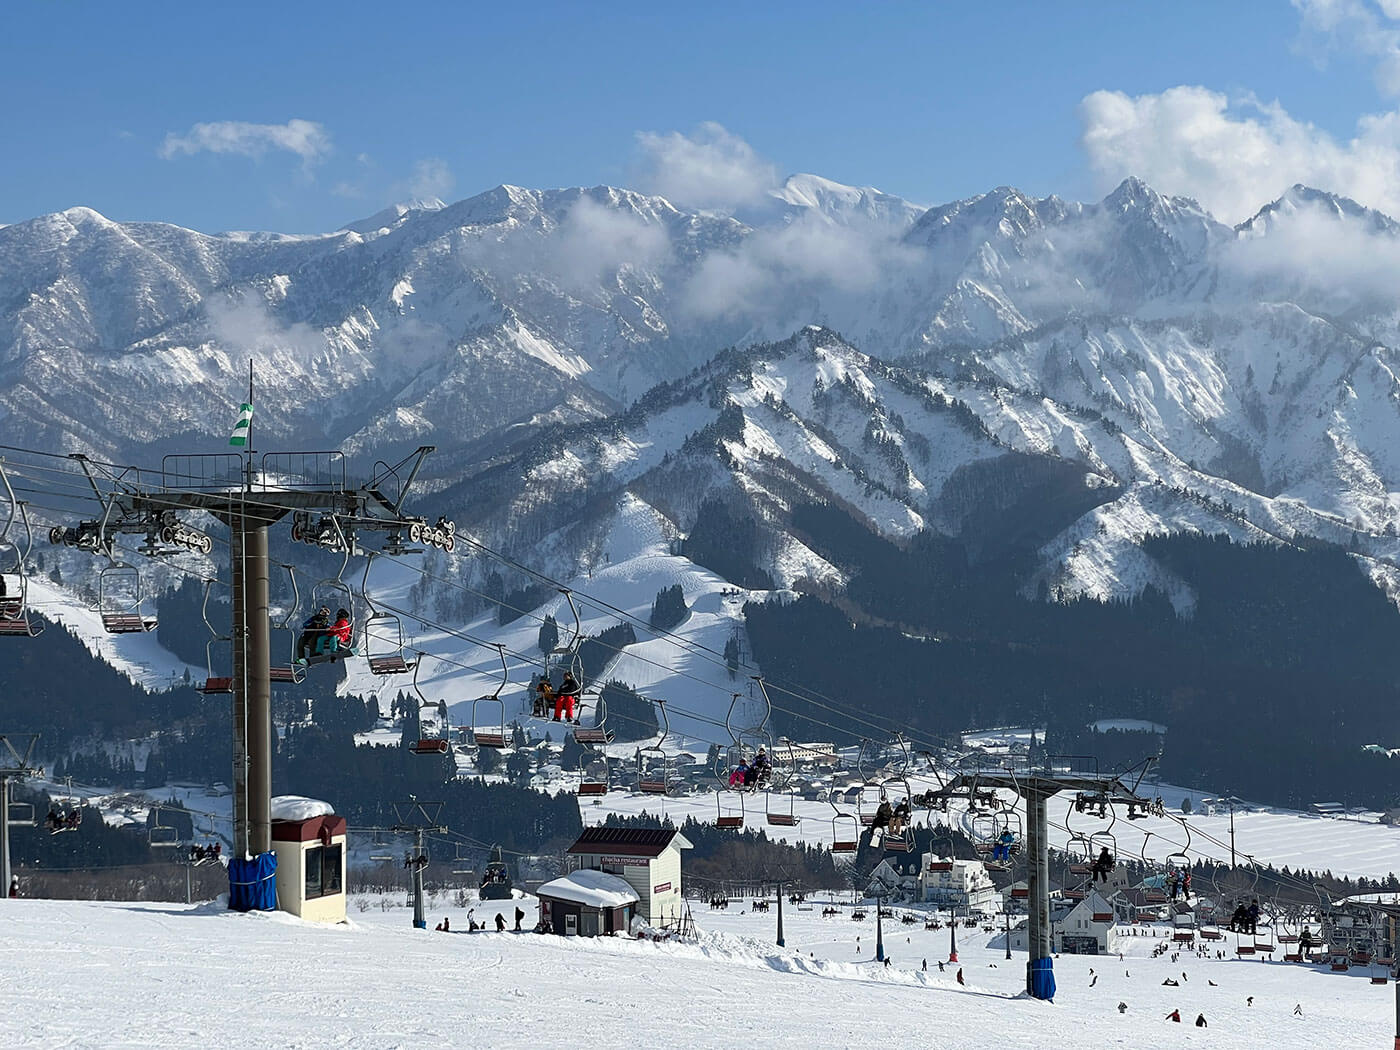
(562, 346)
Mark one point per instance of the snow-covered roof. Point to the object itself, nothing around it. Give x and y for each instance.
(593, 889)
(298, 807)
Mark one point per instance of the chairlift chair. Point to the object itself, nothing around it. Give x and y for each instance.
(594, 779)
(776, 815)
(433, 729)
(214, 685)
(845, 830)
(492, 734)
(598, 732)
(119, 600)
(293, 672)
(732, 817)
(653, 764)
(21, 814)
(383, 635)
(161, 836)
(15, 621)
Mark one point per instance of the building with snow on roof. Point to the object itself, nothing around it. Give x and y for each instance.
(1083, 927)
(587, 903)
(959, 885)
(309, 841)
(646, 859)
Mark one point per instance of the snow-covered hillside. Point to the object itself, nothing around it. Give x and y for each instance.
(90, 974)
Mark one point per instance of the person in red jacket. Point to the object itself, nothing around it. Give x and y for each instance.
(341, 630)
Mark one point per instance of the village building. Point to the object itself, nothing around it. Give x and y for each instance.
(959, 885)
(646, 859)
(1082, 927)
(587, 903)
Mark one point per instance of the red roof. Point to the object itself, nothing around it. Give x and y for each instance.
(307, 830)
(625, 842)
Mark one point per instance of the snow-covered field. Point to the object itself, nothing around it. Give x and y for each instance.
(86, 974)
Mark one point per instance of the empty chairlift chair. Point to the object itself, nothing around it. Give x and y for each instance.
(488, 715)
(15, 621)
(120, 599)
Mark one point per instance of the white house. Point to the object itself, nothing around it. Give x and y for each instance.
(956, 884)
(587, 903)
(309, 841)
(647, 859)
(1076, 927)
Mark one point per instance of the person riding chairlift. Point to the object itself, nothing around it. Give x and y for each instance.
(1002, 849)
(312, 631)
(566, 696)
(1103, 866)
(739, 776)
(759, 769)
(544, 698)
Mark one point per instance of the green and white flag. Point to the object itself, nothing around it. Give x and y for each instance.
(244, 424)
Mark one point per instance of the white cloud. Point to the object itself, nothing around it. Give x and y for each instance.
(1355, 27)
(710, 168)
(1234, 157)
(307, 139)
(431, 178)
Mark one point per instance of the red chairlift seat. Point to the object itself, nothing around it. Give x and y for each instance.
(592, 736)
(283, 675)
(1183, 936)
(18, 626)
(729, 823)
(1211, 935)
(127, 623)
(392, 663)
(786, 820)
(588, 788)
(429, 746)
(489, 738)
(1244, 949)
(214, 686)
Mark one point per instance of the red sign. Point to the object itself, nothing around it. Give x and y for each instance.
(662, 888)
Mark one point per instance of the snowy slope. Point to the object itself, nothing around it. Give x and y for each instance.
(157, 975)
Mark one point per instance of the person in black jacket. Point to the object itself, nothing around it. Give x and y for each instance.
(566, 696)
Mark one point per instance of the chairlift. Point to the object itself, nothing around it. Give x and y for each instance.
(653, 764)
(15, 621)
(293, 672)
(491, 734)
(845, 829)
(434, 732)
(21, 814)
(214, 685)
(119, 600)
(383, 635)
(779, 817)
(333, 593)
(730, 817)
(598, 732)
(593, 781)
(161, 836)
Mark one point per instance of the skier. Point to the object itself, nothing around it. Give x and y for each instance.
(565, 697)
(760, 769)
(925, 966)
(500, 923)
(960, 976)
(1122, 1007)
(1201, 1021)
(519, 917)
(1175, 1015)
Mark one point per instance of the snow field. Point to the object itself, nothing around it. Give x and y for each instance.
(94, 974)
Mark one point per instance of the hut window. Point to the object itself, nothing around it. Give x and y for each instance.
(322, 871)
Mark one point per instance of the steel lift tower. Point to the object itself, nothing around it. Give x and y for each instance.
(248, 495)
(1037, 783)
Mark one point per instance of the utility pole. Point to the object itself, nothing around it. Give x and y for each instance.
(13, 765)
(417, 817)
(879, 929)
(781, 943)
(1006, 914)
(1232, 832)
(952, 935)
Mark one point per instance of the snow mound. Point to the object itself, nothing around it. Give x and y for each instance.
(297, 807)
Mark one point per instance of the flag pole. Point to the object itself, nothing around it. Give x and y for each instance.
(248, 483)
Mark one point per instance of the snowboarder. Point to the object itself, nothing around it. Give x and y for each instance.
(1201, 1021)
(899, 818)
(500, 923)
(564, 699)
(1175, 1015)
(925, 966)
(1297, 1007)
(1122, 1007)
(519, 918)
(884, 813)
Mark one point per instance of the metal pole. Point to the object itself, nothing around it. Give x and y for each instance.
(187, 881)
(1232, 834)
(781, 942)
(252, 690)
(879, 929)
(4, 836)
(419, 921)
(1397, 1015)
(1038, 883)
(1006, 914)
(952, 934)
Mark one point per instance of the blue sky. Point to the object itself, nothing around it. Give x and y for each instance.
(159, 111)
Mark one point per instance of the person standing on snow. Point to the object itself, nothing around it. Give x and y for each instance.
(500, 923)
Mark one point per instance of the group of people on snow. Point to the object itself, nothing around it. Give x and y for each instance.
(321, 634)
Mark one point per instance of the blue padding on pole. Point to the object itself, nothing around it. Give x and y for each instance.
(252, 884)
(1043, 978)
